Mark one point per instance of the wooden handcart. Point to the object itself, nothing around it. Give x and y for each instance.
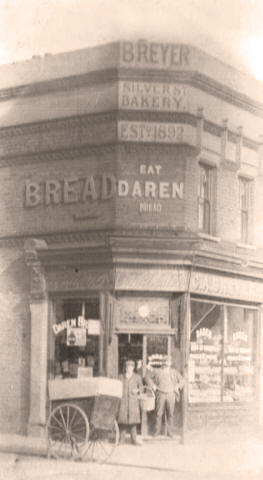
(82, 422)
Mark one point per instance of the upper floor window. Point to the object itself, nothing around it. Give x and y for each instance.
(205, 199)
(244, 207)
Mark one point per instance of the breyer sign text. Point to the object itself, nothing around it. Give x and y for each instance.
(157, 54)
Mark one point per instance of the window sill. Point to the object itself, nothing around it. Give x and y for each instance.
(246, 245)
(206, 236)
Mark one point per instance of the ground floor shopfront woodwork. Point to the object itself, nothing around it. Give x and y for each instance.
(88, 321)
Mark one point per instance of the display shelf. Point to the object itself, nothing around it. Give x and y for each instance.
(214, 368)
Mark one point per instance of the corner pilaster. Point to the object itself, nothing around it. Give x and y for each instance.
(39, 335)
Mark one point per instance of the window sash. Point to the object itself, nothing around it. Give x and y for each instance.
(205, 199)
(244, 226)
(244, 207)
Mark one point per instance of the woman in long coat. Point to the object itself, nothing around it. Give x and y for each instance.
(129, 413)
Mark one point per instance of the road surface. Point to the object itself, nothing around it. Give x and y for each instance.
(18, 467)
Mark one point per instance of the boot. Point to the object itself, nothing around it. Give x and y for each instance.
(122, 435)
(134, 440)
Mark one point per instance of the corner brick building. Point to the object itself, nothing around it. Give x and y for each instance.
(131, 186)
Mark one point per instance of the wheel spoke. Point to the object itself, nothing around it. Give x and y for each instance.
(87, 448)
(78, 430)
(72, 419)
(66, 444)
(73, 435)
(67, 431)
(77, 424)
(92, 449)
(63, 420)
(58, 422)
(67, 416)
(103, 448)
(55, 427)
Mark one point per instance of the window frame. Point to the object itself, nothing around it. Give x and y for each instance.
(244, 210)
(246, 308)
(205, 202)
(74, 298)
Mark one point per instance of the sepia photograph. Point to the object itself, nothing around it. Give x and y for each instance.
(131, 239)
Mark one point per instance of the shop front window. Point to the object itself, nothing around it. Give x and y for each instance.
(238, 355)
(76, 330)
(221, 366)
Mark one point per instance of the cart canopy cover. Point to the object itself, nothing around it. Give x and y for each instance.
(84, 387)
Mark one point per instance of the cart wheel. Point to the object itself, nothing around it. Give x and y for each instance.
(101, 444)
(67, 431)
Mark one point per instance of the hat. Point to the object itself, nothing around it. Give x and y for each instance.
(130, 362)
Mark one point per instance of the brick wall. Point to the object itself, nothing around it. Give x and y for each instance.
(227, 213)
(17, 219)
(141, 164)
(58, 135)
(177, 164)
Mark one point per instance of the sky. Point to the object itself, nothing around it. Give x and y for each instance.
(231, 30)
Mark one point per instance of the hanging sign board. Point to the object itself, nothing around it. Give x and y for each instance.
(76, 337)
(80, 323)
(93, 327)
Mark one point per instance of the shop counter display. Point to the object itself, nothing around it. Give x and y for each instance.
(205, 381)
(214, 376)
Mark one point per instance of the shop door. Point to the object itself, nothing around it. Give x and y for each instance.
(147, 351)
(130, 347)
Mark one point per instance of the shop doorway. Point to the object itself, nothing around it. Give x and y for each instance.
(145, 350)
(148, 352)
(130, 347)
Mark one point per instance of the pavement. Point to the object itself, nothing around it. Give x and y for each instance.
(209, 454)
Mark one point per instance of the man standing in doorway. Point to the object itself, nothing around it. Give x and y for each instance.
(166, 382)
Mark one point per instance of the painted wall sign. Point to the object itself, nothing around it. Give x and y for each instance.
(177, 279)
(137, 311)
(92, 188)
(228, 287)
(158, 55)
(129, 318)
(169, 97)
(151, 132)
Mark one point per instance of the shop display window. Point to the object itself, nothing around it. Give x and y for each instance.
(157, 350)
(76, 332)
(238, 355)
(221, 362)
